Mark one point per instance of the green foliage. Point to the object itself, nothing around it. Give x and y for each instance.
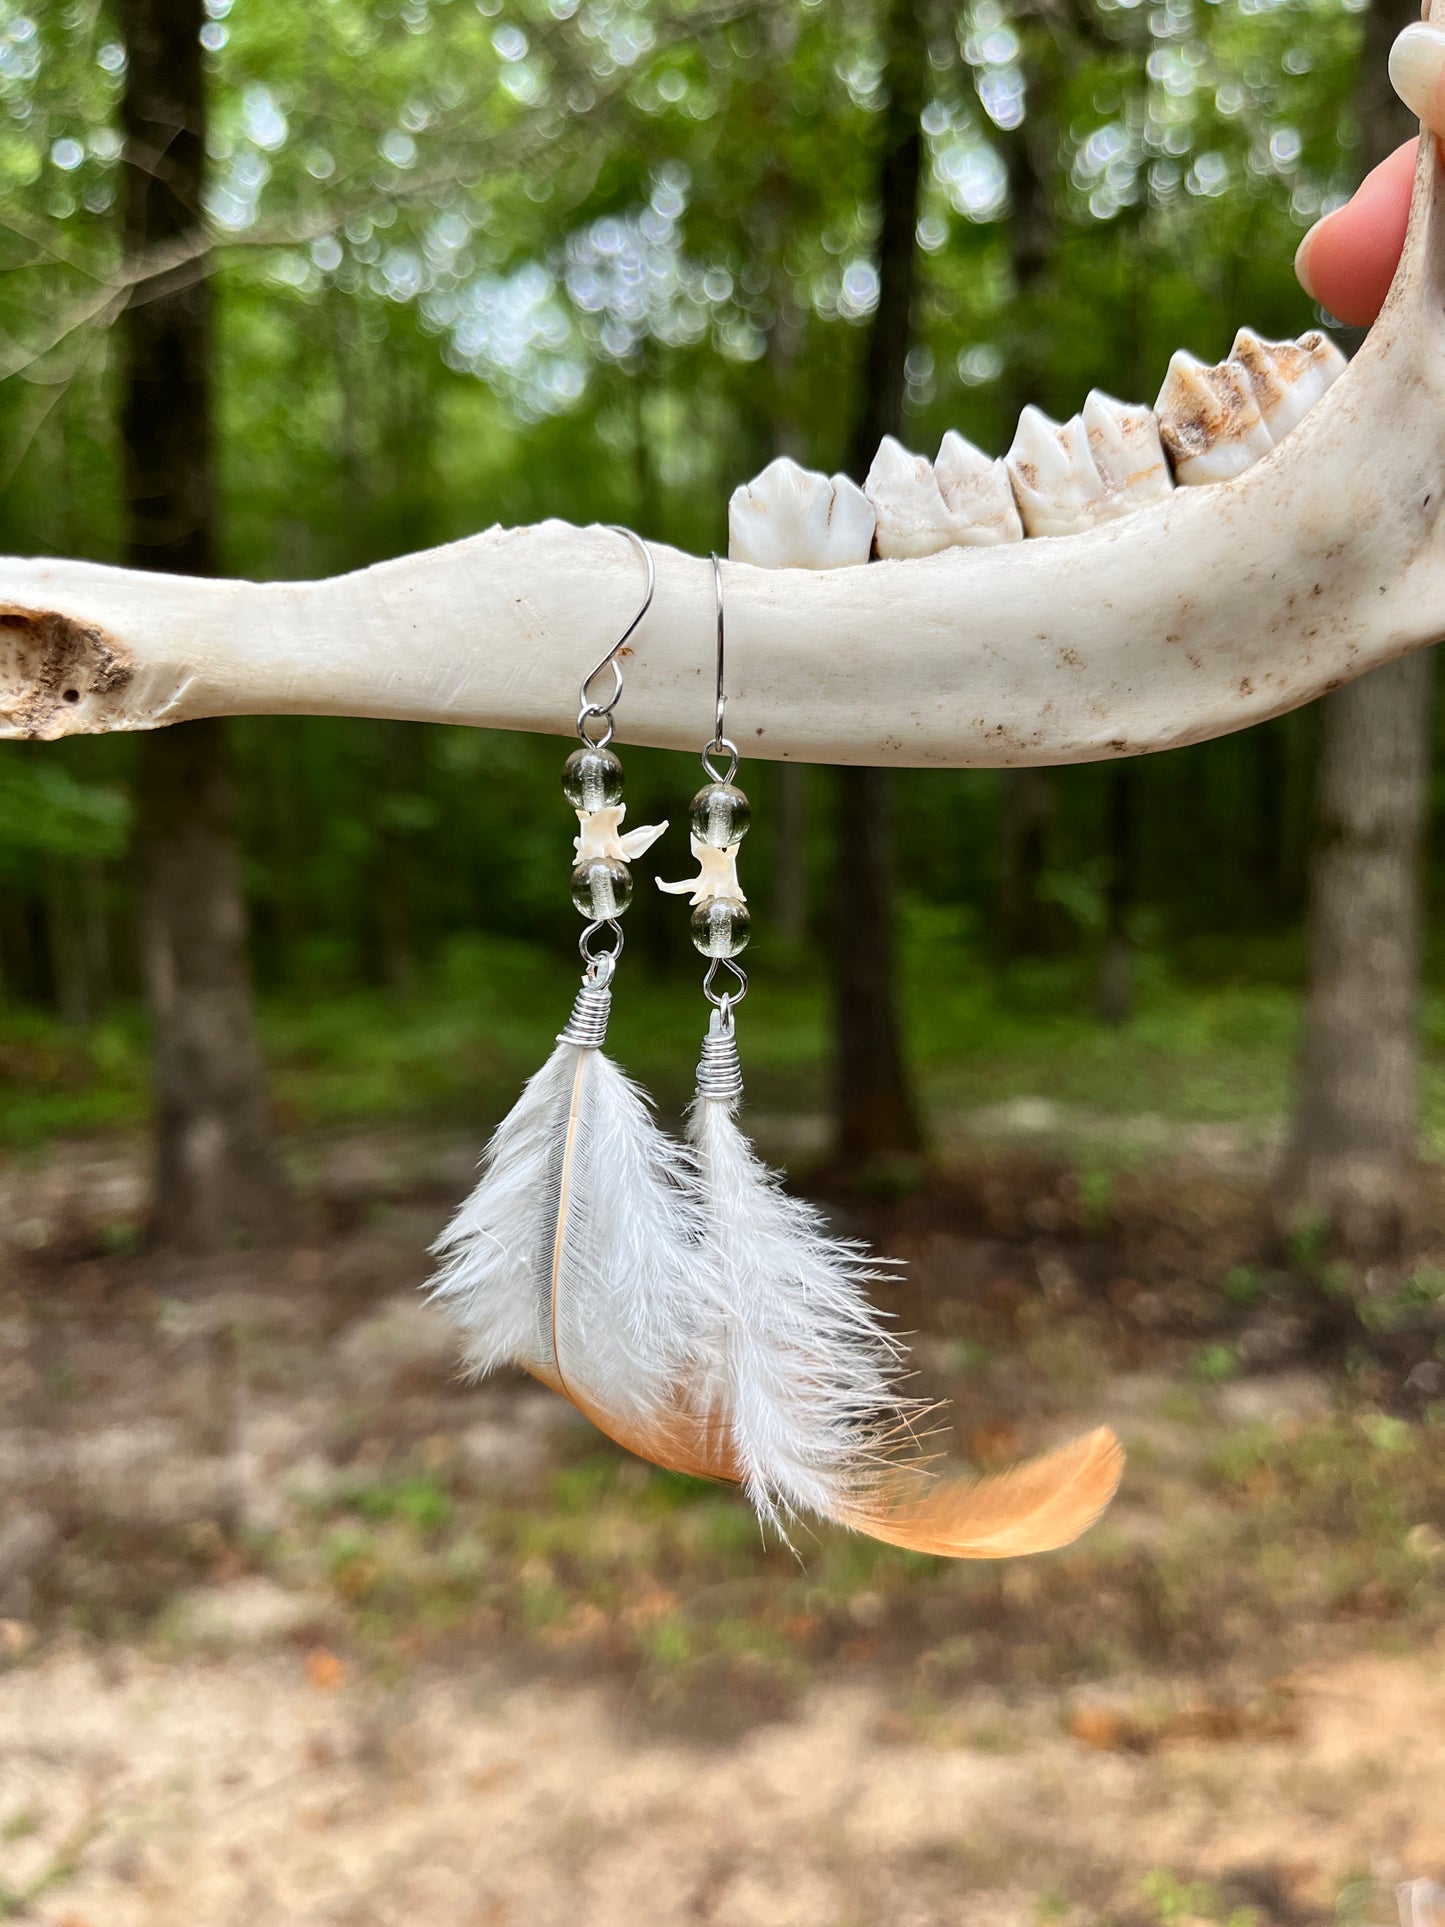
(1215, 1364)
(46, 811)
(1243, 1285)
(1173, 1901)
(454, 1045)
(419, 1501)
(490, 260)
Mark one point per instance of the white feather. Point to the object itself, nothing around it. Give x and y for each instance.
(575, 1256)
(797, 1360)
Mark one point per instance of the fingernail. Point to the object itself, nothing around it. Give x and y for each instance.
(1302, 260)
(1417, 64)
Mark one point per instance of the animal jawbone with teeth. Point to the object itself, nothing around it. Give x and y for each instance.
(1128, 580)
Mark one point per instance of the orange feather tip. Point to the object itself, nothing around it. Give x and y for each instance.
(1036, 1506)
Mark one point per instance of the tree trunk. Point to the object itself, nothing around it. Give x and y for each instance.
(1352, 1162)
(790, 855)
(772, 228)
(1116, 964)
(65, 928)
(876, 1114)
(217, 1174)
(1026, 924)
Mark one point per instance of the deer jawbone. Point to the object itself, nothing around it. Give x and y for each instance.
(1198, 614)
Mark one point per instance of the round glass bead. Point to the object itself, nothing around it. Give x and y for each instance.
(720, 927)
(721, 815)
(601, 888)
(592, 779)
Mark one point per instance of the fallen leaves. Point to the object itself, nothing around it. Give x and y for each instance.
(323, 1669)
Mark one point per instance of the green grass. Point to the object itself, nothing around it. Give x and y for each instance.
(1172, 1900)
(669, 1579)
(456, 1049)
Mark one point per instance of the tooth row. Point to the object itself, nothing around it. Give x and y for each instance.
(1058, 478)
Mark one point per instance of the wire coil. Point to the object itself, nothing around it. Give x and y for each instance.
(719, 1071)
(587, 1026)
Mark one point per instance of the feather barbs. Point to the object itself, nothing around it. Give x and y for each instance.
(574, 1256)
(1036, 1506)
(709, 1322)
(809, 1377)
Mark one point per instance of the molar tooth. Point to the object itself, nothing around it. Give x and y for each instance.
(794, 518)
(961, 501)
(1287, 377)
(1124, 442)
(1104, 462)
(977, 492)
(1053, 474)
(1209, 420)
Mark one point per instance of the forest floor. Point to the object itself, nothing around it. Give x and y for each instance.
(297, 1628)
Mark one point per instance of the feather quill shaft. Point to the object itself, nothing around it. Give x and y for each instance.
(575, 1254)
(559, 1241)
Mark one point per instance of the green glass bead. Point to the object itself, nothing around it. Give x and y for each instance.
(592, 779)
(721, 815)
(720, 927)
(601, 888)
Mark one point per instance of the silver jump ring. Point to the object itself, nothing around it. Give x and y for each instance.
(727, 1000)
(601, 959)
(717, 747)
(603, 736)
(589, 707)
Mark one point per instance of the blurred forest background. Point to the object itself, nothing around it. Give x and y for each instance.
(429, 266)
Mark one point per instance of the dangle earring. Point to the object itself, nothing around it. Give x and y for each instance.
(574, 1256)
(796, 1386)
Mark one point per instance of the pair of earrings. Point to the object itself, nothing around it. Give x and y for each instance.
(673, 1291)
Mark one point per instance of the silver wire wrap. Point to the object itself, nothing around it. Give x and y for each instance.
(589, 708)
(719, 1070)
(587, 1026)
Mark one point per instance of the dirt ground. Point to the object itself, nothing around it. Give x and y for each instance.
(295, 1627)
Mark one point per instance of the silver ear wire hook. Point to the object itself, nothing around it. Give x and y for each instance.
(724, 1002)
(590, 708)
(719, 742)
